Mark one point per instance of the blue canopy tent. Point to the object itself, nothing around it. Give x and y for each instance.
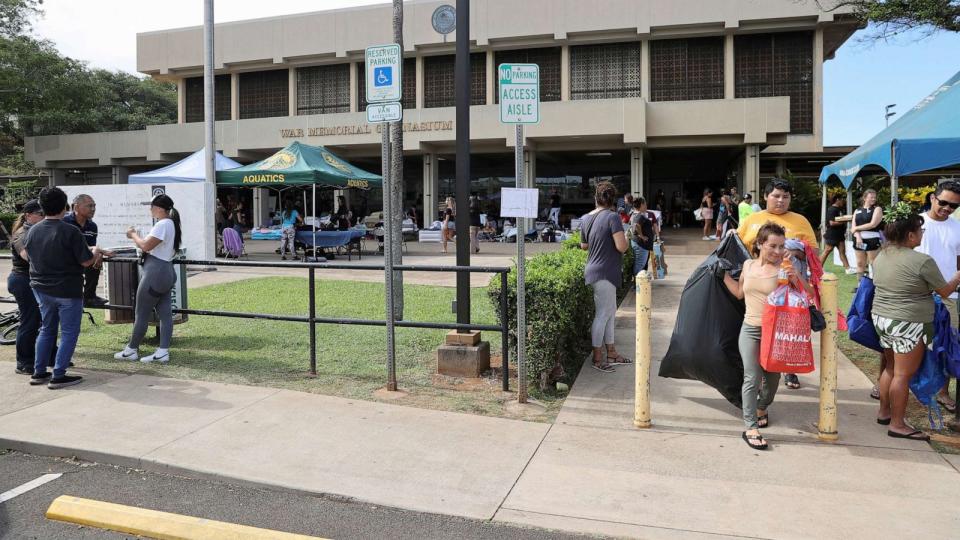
(189, 169)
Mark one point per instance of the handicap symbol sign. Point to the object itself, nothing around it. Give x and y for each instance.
(383, 76)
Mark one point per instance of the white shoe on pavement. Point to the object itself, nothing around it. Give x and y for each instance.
(705, 238)
(159, 355)
(127, 354)
(851, 271)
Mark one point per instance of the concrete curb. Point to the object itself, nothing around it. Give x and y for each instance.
(155, 524)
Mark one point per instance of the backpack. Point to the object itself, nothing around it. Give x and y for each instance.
(232, 243)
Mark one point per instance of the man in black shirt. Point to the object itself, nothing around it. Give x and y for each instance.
(84, 209)
(57, 254)
(835, 234)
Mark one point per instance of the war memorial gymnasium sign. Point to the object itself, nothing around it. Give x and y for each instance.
(362, 129)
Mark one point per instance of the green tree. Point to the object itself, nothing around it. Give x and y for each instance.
(893, 17)
(16, 16)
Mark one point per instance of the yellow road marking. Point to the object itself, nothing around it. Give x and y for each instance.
(154, 524)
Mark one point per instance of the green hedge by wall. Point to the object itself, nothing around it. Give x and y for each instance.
(559, 310)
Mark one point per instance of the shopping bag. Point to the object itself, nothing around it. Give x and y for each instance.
(859, 319)
(785, 344)
(697, 214)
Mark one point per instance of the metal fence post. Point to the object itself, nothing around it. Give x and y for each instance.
(827, 426)
(504, 333)
(641, 413)
(313, 324)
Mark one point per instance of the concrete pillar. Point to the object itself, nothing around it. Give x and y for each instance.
(565, 73)
(818, 88)
(781, 167)
(729, 82)
(420, 87)
(431, 188)
(234, 96)
(530, 169)
(181, 101)
(57, 177)
(261, 207)
(119, 175)
(354, 102)
(491, 78)
(292, 92)
(636, 171)
(645, 69)
(751, 170)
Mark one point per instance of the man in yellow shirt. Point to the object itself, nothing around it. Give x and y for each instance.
(777, 194)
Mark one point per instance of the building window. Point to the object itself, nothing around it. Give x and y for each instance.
(686, 69)
(778, 65)
(549, 61)
(408, 88)
(193, 98)
(439, 81)
(323, 89)
(264, 94)
(605, 71)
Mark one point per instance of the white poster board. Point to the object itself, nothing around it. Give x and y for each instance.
(519, 202)
(851, 255)
(123, 205)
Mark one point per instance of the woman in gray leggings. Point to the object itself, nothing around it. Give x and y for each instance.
(602, 236)
(760, 277)
(157, 278)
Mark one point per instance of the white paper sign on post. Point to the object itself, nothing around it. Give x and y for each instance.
(519, 202)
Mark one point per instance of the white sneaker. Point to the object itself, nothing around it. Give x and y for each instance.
(851, 271)
(705, 238)
(127, 354)
(162, 357)
(712, 237)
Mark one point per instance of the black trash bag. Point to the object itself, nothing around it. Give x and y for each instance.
(704, 342)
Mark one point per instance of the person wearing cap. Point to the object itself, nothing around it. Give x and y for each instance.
(81, 216)
(18, 283)
(745, 208)
(57, 254)
(157, 278)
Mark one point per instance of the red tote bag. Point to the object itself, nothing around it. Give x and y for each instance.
(786, 344)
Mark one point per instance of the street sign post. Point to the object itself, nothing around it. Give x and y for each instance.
(384, 73)
(383, 113)
(519, 92)
(384, 65)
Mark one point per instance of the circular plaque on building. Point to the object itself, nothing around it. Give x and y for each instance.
(444, 19)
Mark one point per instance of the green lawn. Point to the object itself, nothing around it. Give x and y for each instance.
(351, 360)
(869, 361)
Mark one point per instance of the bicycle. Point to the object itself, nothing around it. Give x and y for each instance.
(10, 323)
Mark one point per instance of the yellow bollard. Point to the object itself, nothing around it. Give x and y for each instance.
(827, 426)
(641, 413)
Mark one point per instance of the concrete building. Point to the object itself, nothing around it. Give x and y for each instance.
(671, 95)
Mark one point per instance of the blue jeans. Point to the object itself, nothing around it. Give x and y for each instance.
(640, 257)
(19, 286)
(61, 314)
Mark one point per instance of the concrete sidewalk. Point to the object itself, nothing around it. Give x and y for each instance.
(689, 477)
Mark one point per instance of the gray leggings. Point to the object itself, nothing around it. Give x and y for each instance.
(759, 386)
(157, 278)
(605, 302)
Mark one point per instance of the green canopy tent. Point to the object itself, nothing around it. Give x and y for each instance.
(300, 164)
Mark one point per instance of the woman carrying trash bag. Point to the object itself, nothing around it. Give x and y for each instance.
(903, 313)
(603, 237)
(759, 278)
(156, 281)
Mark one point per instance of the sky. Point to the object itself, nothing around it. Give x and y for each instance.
(859, 82)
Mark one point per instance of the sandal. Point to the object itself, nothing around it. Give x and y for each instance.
(946, 404)
(758, 439)
(875, 393)
(791, 381)
(763, 421)
(883, 421)
(915, 435)
(620, 360)
(603, 366)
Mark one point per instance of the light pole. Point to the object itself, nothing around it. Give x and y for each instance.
(888, 114)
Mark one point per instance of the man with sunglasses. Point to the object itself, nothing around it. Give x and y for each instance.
(941, 240)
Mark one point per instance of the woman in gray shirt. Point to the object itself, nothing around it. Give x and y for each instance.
(603, 238)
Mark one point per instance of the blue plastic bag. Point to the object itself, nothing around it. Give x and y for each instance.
(859, 320)
(932, 374)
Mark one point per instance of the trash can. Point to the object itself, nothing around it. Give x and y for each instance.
(121, 283)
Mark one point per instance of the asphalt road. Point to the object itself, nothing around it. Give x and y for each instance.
(23, 516)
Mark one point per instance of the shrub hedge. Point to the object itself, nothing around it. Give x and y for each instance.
(559, 311)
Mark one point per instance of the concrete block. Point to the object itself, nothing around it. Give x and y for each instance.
(462, 361)
(469, 339)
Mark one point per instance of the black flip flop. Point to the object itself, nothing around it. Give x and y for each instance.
(916, 435)
(603, 366)
(756, 438)
(875, 393)
(947, 406)
(792, 383)
(883, 421)
(763, 421)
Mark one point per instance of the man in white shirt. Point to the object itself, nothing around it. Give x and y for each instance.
(941, 241)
